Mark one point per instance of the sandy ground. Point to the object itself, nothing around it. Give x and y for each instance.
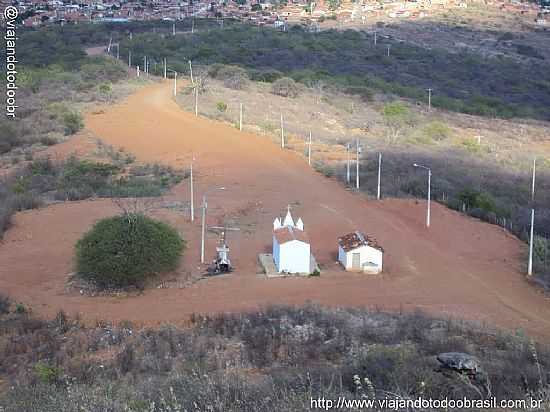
(460, 267)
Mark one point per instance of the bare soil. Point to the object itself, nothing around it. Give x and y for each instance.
(460, 267)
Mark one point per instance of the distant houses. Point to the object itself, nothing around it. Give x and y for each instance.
(359, 253)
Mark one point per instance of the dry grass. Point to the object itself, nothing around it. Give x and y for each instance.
(335, 119)
(276, 359)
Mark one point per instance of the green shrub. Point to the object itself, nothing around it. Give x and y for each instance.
(105, 89)
(437, 130)
(80, 179)
(474, 199)
(221, 106)
(285, 87)
(4, 304)
(6, 213)
(20, 309)
(471, 145)
(46, 373)
(266, 75)
(73, 122)
(124, 250)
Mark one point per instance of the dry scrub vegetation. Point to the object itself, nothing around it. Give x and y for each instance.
(44, 181)
(51, 101)
(274, 359)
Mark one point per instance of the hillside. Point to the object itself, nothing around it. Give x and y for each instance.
(118, 314)
(424, 269)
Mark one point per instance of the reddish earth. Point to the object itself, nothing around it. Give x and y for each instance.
(460, 267)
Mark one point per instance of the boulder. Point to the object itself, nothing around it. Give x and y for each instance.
(460, 362)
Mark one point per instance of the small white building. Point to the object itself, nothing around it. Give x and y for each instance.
(291, 249)
(360, 253)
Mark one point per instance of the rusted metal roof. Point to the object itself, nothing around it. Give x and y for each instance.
(357, 239)
(288, 234)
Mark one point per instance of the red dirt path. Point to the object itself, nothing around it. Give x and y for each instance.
(459, 267)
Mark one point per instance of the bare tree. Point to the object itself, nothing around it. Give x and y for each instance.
(200, 75)
(130, 207)
(319, 88)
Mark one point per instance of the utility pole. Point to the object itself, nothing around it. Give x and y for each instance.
(428, 219)
(204, 205)
(175, 82)
(532, 231)
(429, 99)
(165, 67)
(196, 100)
(174, 29)
(191, 72)
(137, 70)
(193, 25)
(428, 213)
(348, 174)
(129, 58)
(389, 47)
(531, 236)
(145, 64)
(379, 175)
(118, 51)
(375, 38)
(192, 194)
(109, 46)
(357, 168)
(533, 184)
(282, 132)
(131, 36)
(241, 117)
(309, 150)
(203, 224)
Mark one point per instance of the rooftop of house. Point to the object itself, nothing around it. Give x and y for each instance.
(357, 239)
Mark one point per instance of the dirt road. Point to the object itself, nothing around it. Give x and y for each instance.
(459, 267)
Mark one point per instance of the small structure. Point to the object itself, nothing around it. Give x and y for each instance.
(221, 264)
(360, 253)
(291, 249)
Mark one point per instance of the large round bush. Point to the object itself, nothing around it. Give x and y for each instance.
(124, 250)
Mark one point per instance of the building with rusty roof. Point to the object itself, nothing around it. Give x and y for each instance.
(358, 252)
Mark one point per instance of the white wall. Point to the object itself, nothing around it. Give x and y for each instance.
(342, 257)
(275, 251)
(368, 255)
(294, 257)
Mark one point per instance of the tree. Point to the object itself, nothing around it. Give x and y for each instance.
(233, 77)
(124, 250)
(285, 87)
(73, 122)
(437, 130)
(396, 117)
(105, 89)
(334, 4)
